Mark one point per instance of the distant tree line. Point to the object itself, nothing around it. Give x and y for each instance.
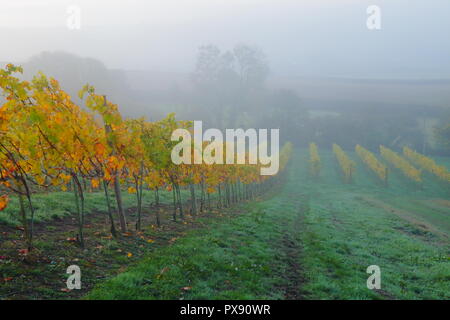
(229, 90)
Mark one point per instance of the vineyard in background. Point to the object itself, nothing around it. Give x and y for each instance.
(48, 143)
(371, 161)
(427, 164)
(314, 160)
(347, 166)
(393, 161)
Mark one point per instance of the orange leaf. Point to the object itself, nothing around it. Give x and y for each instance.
(95, 183)
(3, 202)
(99, 149)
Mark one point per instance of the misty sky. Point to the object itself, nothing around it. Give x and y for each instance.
(301, 38)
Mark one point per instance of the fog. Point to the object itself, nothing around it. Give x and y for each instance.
(306, 38)
(319, 57)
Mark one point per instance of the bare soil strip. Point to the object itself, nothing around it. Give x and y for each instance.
(406, 215)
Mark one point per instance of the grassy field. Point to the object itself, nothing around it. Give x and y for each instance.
(402, 229)
(312, 240)
(53, 205)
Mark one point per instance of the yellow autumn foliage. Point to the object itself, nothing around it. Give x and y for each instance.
(371, 161)
(427, 164)
(402, 164)
(346, 164)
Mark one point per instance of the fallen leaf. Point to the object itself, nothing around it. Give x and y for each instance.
(7, 279)
(23, 251)
(163, 270)
(186, 288)
(129, 254)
